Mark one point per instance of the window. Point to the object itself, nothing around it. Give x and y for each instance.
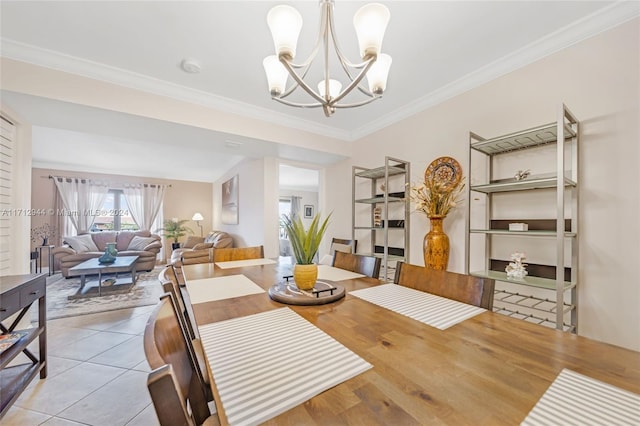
(284, 207)
(114, 214)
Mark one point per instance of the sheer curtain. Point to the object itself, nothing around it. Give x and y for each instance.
(145, 202)
(81, 199)
(295, 206)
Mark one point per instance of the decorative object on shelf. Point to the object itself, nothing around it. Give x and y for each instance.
(110, 253)
(516, 268)
(522, 174)
(370, 22)
(377, 217)
(305, 244)
(174, 229)
(197, 218)
(435, 197)
(43, 233)
(518, 227)
(445, 171)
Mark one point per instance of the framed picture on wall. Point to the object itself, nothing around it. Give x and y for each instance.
(230, 201)
(308, 211)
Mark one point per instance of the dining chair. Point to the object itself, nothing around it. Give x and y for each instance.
(169, 401)
(164, 343)
(361, 264)
(339, 244)
(463, 288)
(238, 253)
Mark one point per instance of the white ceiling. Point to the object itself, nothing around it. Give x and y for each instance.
(439, 49)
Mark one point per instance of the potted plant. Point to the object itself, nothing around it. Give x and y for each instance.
(305, 244)
(174, 229)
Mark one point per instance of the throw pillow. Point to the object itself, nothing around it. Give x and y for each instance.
(81, 243)
(340, 247)
(139, 243)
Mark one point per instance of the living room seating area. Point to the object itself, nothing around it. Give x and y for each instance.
(77, 249)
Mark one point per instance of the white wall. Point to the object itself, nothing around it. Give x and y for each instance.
(21, 192)
(257, 205)
(599, 80)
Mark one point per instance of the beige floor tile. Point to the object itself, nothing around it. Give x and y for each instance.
(143, 366)
(89, 347)
(133, 325)
(116, 403)
(17, 416)
(146, 418)
(63, 336)
(56, 366)
(99, 321)
(57, 421)
(125, 355)
(53, 395)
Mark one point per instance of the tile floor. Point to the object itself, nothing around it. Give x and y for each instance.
(97, 374)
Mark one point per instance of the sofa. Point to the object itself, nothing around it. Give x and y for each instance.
(76, 249)
(200, 247)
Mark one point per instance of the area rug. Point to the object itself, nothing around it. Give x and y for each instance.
(146, 292)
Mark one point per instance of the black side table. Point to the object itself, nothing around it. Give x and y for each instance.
(49, 249)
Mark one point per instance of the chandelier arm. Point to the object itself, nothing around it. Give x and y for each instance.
(301, 82)
(296, 104)
(353, 83)
(357, 104)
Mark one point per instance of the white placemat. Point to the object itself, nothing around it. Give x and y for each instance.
(429, 309)
(574, 399)
(210, 289)
(246, 262)
(326, 272)
(267, 363)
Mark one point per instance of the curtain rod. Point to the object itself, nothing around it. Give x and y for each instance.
(114, 182)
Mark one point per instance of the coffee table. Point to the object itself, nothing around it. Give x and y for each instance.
(122, 264)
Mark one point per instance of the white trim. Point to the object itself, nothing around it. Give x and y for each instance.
(602, 20)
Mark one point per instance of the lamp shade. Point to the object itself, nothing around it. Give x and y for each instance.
(378, 73)
(197, 216)
(285, 23)
(371, 22)
(277, 75)
(334, 88)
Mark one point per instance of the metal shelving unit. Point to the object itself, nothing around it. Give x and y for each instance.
(394, 201)
(559, 309)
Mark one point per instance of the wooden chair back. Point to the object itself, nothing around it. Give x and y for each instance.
(352, 243)
(365, 265)
(463, 288)
(165, 343)
(167, 397)
(169, 281)
(238, 253)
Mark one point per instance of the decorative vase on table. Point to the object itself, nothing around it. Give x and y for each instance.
(305, 276)
(110, 253)
(436, 245)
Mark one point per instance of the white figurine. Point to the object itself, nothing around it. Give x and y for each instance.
(516, 269)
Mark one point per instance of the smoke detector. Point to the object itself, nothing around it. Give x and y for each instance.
(190, 66)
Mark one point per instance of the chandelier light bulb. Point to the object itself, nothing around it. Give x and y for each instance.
(378, 73)
(277, 75)
(334, 88)
(370, 22)
(285, 23)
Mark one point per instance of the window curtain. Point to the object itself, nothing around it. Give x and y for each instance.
(295, 206)
(82, 198)
(145, 202)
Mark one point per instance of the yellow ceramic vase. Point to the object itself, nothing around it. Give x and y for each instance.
(305, 276)
(436, 246)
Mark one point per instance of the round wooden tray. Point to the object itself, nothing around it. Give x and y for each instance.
(287, 292)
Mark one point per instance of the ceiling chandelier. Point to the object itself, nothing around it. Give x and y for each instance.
(285, 23)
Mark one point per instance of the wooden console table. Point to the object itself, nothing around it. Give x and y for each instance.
(17, 294)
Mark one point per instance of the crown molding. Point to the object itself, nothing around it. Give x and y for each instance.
(70, 64)
(589, 26)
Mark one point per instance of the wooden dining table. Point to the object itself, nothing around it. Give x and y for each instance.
(488, 369)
